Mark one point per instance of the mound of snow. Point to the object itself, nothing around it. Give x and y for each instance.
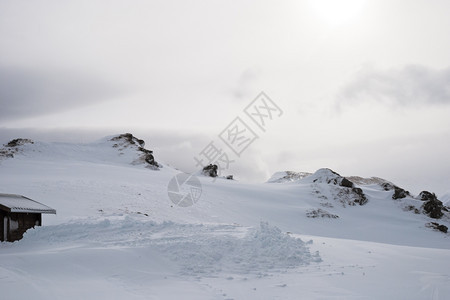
(122, 149)
(13, 147)
(127, 140)
(196, 248)
(340, 189)
(328, 176)
(287, 176)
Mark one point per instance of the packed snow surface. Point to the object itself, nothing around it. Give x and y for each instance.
(117, 235)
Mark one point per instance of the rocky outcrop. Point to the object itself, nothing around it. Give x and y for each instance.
(210, 170)
(347, 193)
(320, 213)
(437, 226)
(126, 140)
(18, 142)
(13, 147)
(399, 193)
(426, 196)
(362, 199)
(432, 206)
(129, 138)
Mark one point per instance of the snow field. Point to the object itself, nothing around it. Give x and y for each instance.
(117, 235)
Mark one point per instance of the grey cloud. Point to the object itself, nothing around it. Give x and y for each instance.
(244, 89)
(31, 92)
(407, 86)
(171, 147)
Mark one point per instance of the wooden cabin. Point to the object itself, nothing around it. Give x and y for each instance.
(19, 213)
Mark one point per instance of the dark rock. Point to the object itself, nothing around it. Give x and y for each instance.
(335, 179)
(140, 142)
(151, 160)
(386, 186)
(346, 183)
(131, 139)
(425, 196)
(127, 139)
(6, 153)
(345, 191)
(210, 170)
(412, 208)
(146, 151)
(437, 226)
(13, 147)
(351, 196)
(399, 193)
(361, 199)
(229, 177)
(320, 213)
(433, 208)
(18, 142)
(125, 136)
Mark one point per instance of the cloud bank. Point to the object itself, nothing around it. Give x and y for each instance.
(33, 92)
(411, 85)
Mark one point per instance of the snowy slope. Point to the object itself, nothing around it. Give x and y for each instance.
(117, 235)
(445, 198)
(287, 176)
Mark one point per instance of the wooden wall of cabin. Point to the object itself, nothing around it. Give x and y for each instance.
(18, 223)
(3, 230)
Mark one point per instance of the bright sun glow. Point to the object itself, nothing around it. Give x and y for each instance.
(337, 12)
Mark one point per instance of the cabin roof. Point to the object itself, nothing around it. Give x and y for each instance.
(21, 204)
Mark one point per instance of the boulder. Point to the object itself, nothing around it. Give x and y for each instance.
(399, 193)
(346, 183)
(426, 196)
(433, 208)
(361, 198)
(437, 226)
(210, 170)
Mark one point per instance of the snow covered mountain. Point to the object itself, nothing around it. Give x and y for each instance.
(117, 234)
(119, 149)
(287, 176)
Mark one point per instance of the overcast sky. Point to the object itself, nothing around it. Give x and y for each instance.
(364, 86)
